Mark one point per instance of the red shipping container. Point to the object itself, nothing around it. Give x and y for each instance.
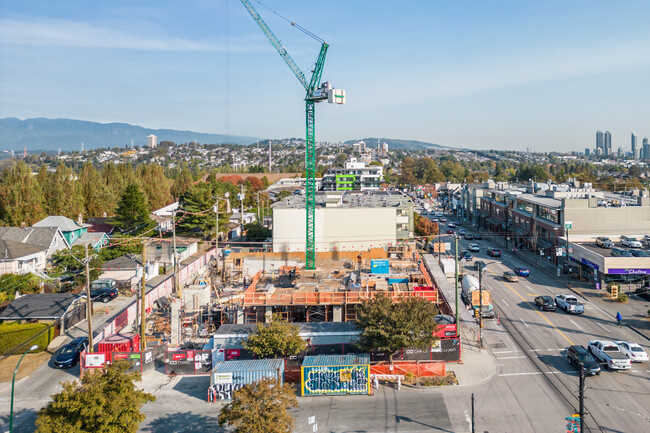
(120, 343)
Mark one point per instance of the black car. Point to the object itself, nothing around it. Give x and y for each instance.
(478, 236)
(619, 252)
(643, 292)
(69, 356)
(494, 252)
(480, 265)
(469, 236)
(578, 354)
(545, 302)
(640, 253)
(466, 255)
(105, 295)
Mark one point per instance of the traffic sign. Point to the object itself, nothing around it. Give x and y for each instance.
(568, 225)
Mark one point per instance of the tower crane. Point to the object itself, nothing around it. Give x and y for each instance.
(315, 92)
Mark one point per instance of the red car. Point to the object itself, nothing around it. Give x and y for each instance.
(450, 232)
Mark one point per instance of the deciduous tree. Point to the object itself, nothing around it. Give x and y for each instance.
(260, 407)
(103, 402)
(275, 339)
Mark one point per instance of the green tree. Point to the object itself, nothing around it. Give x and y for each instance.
(275, 339)
(63, 195)
(132, 211)
(196, 209)
(103, 402)
(97, 196)
(262, 406)
(388, 326)
(257, 232)
(156, 186)
(21, 197)
(71, 261)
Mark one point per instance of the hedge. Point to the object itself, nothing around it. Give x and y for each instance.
(15, 336)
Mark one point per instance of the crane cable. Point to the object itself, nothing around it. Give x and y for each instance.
(298, 26)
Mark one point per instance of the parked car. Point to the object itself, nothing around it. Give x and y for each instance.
(69, 356)
(510, 276)
(633, 351)
(522, 271)
(645, 240)
(105, 295)
(474, 248)
(639, 253)
(578, 354)
(630, 242)
(619, 252)
(643, 292)
(466, 255)
(494, 252)
(480, 265)
(569, 303)
(545, 303)
(604, 242)
(469, 236)
(610, 354)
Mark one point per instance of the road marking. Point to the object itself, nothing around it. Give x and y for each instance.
(469, 421)
(522, 321)
(603, 327)
(503, 351)
(512, 357)
(502, 300)
(579, 327)
(520, 374)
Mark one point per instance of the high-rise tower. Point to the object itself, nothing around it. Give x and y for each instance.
(600, 142)
(635, 147)
(608, 143)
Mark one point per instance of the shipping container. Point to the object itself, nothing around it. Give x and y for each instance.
(335, 374)
(119, 343)
(228, 376)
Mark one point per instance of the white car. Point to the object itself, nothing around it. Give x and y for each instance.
(630, 242)
(633, 351)
(474, 248)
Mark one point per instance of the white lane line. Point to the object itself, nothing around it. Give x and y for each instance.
(469, 420)
(522, 321)
(579, 327)
(504, 351)
(520, 374)
(503, 300)
(598, 323)
(512, 357)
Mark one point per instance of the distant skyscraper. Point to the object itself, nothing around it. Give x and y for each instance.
(587, 151)
(152, 141)
(635, 147)
(621, 152)
(600, 142)
(646, 149)
(608, 143)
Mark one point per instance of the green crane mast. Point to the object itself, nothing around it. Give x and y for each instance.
(315, 93)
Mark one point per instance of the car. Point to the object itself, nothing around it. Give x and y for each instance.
(451, 225)
(645, 240)
(619, 252)
(633, 351)
(69, 356)
(449, 232)
(639, 253)
(545, 303)
(462, 232)
(443, 220)
(474, 248)
(630, 242)
(522, 271)
(469, 236)
(579, 355)
(604, 242)
(610, 354)
(643, 292)
(459, 223)
(480, 265)
(478, 236)
(466, 255)
(105, 295)
(569, 303)
(510, 277)
(435, 220)
(494, 252)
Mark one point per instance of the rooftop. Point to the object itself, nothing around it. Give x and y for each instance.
(63, 223)
(39, 306)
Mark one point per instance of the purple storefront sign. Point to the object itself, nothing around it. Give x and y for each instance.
(628, 271)
(590, 263)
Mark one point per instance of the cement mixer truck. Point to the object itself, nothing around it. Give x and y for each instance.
(471, 295)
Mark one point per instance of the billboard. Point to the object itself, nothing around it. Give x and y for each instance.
(335, 379)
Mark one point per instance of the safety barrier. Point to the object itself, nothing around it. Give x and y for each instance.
(418, 369)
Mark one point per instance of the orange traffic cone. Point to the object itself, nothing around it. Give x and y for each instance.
(106, 309)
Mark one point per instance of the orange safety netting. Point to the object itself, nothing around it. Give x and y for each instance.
(418, 369)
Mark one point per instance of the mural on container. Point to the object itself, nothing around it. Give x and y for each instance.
(351, 379)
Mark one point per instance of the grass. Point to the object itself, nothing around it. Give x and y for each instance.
(14, 336)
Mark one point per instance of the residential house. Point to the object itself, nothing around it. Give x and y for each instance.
(19, 258)
(65, 308)
(95, 240)
(128, 268)
(162, 250)
(71, 229)
(50, 238)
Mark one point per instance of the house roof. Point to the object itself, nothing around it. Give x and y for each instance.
(39, 306)
(65, 224)
(92, 239)
(40, 236)
(100, 224)
(127, 261)
(12, 250)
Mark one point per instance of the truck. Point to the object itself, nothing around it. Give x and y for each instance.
(472, 296)
(569, 303)
(610, 354)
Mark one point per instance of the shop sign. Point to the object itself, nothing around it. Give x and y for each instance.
(590, 263)
(628, 271)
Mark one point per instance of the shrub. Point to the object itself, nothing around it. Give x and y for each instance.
(622, 297)
(14, 336)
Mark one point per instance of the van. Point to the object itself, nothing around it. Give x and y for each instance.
(630, 242)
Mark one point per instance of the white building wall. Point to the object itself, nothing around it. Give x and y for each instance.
(341, 229)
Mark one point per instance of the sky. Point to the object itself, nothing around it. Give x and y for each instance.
(479, 74)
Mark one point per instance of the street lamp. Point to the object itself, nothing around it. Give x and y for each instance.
(11, 411)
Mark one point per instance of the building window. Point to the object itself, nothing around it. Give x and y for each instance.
(548, 214)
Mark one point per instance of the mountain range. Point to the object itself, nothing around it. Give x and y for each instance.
(42, 134)
(398, 144)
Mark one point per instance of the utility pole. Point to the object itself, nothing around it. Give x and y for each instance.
(89, 308)
(143, 291)
(174, 258)
(480, 308)
(456, 274)
(581, 397)
(473, 430)
(567, 226)
(242, 196)
(258, 207)
(439, 250)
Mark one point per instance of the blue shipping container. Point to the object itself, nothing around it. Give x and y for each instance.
(228, 376)
(378, 266)
(335, 374)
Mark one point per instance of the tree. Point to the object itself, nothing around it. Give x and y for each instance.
(132, 211)
(103, 402)
(274, 339)
(425, 227)
(21, 196)
(388, 327)
(260, 407)
(257, 232)
(196, 204)
(64, 261)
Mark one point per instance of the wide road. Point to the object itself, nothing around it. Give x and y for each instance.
(616, 401)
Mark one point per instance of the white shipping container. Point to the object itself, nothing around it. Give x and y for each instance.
(448, 267)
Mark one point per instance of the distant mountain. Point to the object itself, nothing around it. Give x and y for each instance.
(398, 144)
(68, 134)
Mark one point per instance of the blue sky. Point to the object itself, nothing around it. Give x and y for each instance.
(480, 74)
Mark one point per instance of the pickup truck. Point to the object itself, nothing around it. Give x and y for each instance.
(569, 303)
(610, 354)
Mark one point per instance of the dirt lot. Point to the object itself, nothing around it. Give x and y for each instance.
(27, 366)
